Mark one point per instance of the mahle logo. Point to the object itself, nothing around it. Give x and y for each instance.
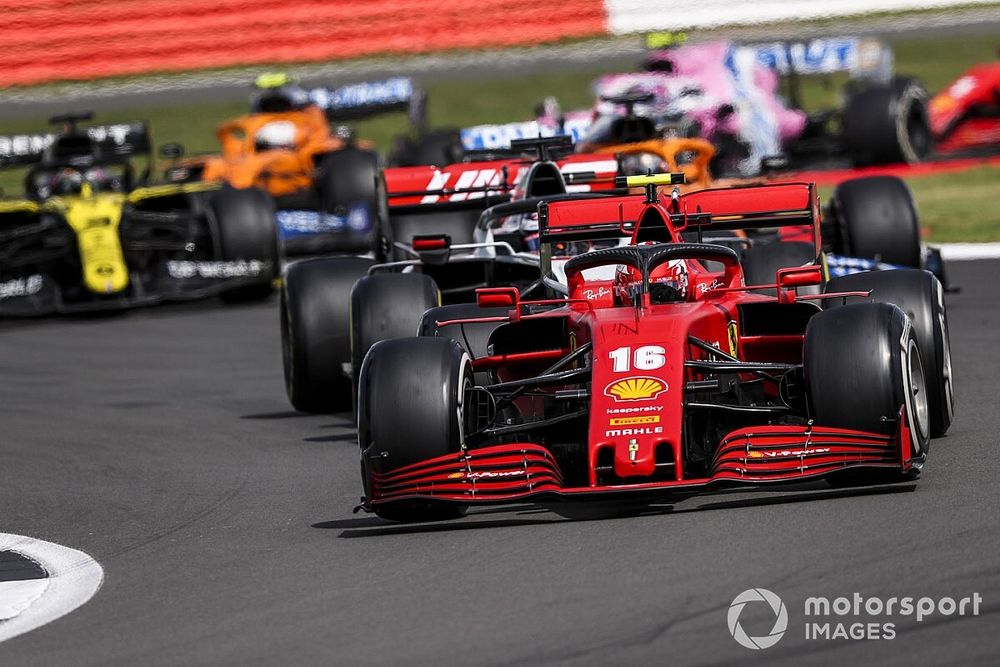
(780, 618)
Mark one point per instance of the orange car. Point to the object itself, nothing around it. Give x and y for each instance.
(323, 182)
(689, 156)
(277, 152)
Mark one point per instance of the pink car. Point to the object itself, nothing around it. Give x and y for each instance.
(731, 95)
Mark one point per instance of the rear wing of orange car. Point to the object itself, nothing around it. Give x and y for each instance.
(369, 98)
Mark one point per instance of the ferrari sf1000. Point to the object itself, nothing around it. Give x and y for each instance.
(660, 374)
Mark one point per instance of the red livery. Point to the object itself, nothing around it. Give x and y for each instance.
(966, 115)
(660, 372)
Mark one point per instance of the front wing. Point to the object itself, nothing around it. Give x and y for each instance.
(764, 455)
(38, 294)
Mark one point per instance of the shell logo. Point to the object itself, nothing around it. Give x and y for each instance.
(635, 389)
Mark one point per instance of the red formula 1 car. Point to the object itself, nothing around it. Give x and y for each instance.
(966, 115)
(661, 374)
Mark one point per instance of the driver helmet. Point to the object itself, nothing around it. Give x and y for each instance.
(101, 179)
(668, 283)
(277, 93)
(66, 181)
(279, 134)
(640, 164)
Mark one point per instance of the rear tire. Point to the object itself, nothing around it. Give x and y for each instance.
(346, 181)
(875, 218)
(248, 233)
(921, 296)
(438, 147)
(388, 305)
(316, 331)
(862, 364)
(887, 123)
(459, 224)
(410, 409)
(473, 337)
(761, 262)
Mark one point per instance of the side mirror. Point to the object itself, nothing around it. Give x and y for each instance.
(797, 276)
(172, 151)
(500, 297)
(800, 276)
(432, 248)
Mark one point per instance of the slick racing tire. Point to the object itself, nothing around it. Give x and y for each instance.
(761, 262)
(410, 409)
(862, 364)
(388, 305)
(887, 123)
(459, 225)
(438, 147)
(247, 232)
(316, 332)
(346, 180)
(874, 217)
(920, 295)
(474, 337)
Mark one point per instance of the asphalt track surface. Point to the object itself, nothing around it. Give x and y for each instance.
(160, 443)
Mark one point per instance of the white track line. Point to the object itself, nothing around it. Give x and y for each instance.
(961, 251)
(73, 579)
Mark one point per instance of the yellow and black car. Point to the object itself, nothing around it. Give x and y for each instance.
(92, 233)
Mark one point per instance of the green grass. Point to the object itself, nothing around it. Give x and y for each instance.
(954, 206)
(959, 207)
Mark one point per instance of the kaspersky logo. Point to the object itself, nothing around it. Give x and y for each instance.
(641, 388)
(780, 618)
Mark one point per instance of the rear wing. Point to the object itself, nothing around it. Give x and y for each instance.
(499, 136)
(455, 184)
(496, 177)
(114, 140)
(370, 98)
(716, 209)
(863, 57)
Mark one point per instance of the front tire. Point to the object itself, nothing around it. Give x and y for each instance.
(921, 296)
(862, 364)
(411, 396)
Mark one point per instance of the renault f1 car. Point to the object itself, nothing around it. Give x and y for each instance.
(92, 233)
(322, 179)
(433, 249)
(661, 375)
